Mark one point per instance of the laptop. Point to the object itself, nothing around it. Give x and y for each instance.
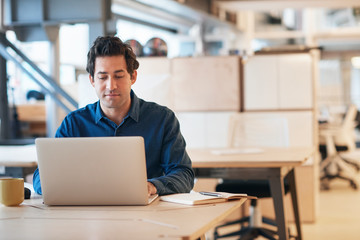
(93, 171)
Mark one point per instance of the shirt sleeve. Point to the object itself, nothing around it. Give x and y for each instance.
(178, 173)
(36, 182)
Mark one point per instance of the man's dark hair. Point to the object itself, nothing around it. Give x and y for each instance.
(111, 46)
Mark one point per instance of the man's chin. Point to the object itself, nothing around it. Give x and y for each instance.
(110, 104)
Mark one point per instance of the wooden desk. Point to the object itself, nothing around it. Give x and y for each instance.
(272, 164)
(17, 160)
(18, 156)
(34, 116)
(159, 220)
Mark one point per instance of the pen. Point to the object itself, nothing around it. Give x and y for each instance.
(211, 194)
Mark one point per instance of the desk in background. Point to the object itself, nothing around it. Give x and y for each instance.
(32, 118)
(18, 156)
(159, 220)
(272, 164)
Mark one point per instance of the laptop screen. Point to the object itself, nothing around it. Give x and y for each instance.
(92, 171)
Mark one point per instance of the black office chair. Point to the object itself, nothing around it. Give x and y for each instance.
(249, 130)
(255, 222)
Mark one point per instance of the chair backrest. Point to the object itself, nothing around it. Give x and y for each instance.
(247, 130)
(350, 116)
(346, 135)
(329, 141)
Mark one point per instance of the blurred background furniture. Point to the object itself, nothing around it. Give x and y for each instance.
(343, 131)
(341, 159)
(334, 166)
(32, 118)
(248, 132)
(18, 159)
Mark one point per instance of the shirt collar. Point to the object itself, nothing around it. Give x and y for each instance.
(135, 107)
(98, 113)
(133, 112)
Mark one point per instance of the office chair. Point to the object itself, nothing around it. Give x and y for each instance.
(259, 131)
(352, 154)
(334, 166)
(255, 227)
(343, 134)
(341, 159)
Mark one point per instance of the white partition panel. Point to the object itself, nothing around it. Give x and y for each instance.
(204, 129)
(260, 83)
(206, 83)
(278, 81)
(300, 125)
(154, 81)
(295, 81)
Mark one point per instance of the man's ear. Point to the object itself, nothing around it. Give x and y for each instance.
(91, 80)
(133, 77)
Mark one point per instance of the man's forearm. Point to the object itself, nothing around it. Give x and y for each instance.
(178, 182)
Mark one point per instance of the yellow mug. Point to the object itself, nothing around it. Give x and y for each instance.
(11, 191)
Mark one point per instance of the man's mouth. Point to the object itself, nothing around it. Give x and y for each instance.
(112, 94)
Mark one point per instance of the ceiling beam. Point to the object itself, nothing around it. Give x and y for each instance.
(261, 5)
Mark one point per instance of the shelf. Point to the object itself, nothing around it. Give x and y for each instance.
(279, 35)
(336, 33)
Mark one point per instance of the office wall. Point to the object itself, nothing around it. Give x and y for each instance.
(200, 84)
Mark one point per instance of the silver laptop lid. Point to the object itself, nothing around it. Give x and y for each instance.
(92, 171)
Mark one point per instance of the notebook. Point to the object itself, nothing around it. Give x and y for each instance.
(196, 198)
(93, 171)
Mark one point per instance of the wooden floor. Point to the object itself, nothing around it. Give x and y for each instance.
(338, 215)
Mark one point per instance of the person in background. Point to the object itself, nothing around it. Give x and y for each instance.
(112, 68)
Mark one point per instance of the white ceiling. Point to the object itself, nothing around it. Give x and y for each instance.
(166, 13)
(238, 5)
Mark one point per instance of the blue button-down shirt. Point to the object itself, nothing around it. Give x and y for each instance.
(168, 164)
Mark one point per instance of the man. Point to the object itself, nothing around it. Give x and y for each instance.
(112, 68)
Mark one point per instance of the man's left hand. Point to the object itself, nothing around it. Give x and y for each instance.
(151, 188)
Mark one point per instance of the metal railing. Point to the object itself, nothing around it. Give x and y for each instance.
(47, 84)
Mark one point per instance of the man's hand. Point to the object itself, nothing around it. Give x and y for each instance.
(151, 188)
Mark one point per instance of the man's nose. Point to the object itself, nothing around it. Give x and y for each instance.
(111, 84)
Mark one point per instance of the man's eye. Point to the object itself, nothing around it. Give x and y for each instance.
(117, 76)
(102, 77)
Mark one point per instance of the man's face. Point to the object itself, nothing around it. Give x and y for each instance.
(112, 82)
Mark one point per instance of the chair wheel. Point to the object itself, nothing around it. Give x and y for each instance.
(216, 234)
(353, 185)
(291, 236)
(324, 185)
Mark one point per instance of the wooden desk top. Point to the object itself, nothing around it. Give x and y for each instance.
(269, 158)
(33, 220)
(18, 156)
